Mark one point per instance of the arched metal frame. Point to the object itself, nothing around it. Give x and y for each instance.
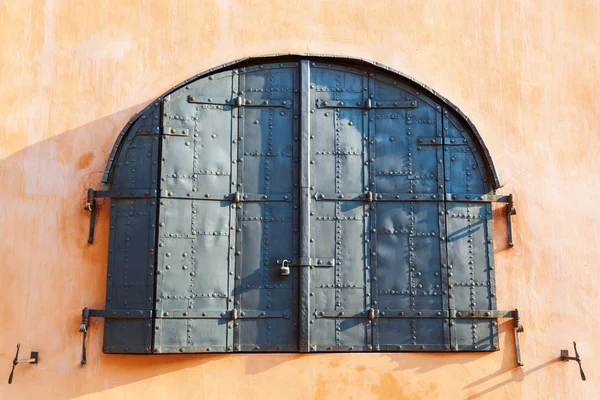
(351, 61)
(444, 212)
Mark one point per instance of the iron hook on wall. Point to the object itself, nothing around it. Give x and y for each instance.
(564, 356)
(33, 359)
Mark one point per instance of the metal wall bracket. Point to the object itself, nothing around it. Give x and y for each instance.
(510, 211)
(90, 205)
(564, 356)
(33, 359)
(518, 328)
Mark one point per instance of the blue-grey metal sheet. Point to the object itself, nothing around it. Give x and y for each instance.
(472, 283)
(354, 169)
(217, 256)
(337, 156)
(130, 276)
(470, 242)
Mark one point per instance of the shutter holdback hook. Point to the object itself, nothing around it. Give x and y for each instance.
(33, 359)
(564, 356)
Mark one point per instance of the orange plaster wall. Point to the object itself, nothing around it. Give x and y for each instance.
(73, 72)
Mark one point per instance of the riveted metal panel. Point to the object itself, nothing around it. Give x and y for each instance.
(471, 275)
(268, 124)
(337, 156)
(379, 195)
(471, 279)
(130, 276)
(227, 214)
(195, 264)
(408, 224)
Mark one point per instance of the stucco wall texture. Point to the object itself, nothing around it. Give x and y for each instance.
(73, 72)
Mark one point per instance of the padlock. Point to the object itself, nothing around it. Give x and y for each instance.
(285, 268)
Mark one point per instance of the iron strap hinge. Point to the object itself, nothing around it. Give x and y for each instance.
(235, 314)
(91, 206)
(372, 314)
(124, 194)
(438, 141)
(370, 197)
(86, 314)
(239, 101)
(367, 104)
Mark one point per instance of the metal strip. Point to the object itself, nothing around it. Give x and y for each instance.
(308, 262)
(304, 245)
(296, 273)
(408, 197)
(341, 349)
(159, 231)
(438, 141)
(124, 194)
(121, 314)
(441, 182)
(367, 104)
(482, 314)
(213, 314)
(235, 227)
(372, 249)
(240, 102)
(384, 313)
(238, 215)
(448, 289)
(489, 247)
(414, 347)
(232, 197)
(478, 198)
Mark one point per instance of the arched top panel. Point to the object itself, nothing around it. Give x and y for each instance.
(132, 163)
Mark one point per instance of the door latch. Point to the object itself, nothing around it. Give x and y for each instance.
(286, 265)
(564, 356)
(33, 359)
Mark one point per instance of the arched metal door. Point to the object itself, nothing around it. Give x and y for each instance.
(372, 191)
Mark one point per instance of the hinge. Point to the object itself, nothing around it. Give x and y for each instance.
(438, 141)
(91, 206)
(239, 101)
(367, 104)
(485, 314)
(86, 314)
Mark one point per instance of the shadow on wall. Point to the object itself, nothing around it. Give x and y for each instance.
(60, 273)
